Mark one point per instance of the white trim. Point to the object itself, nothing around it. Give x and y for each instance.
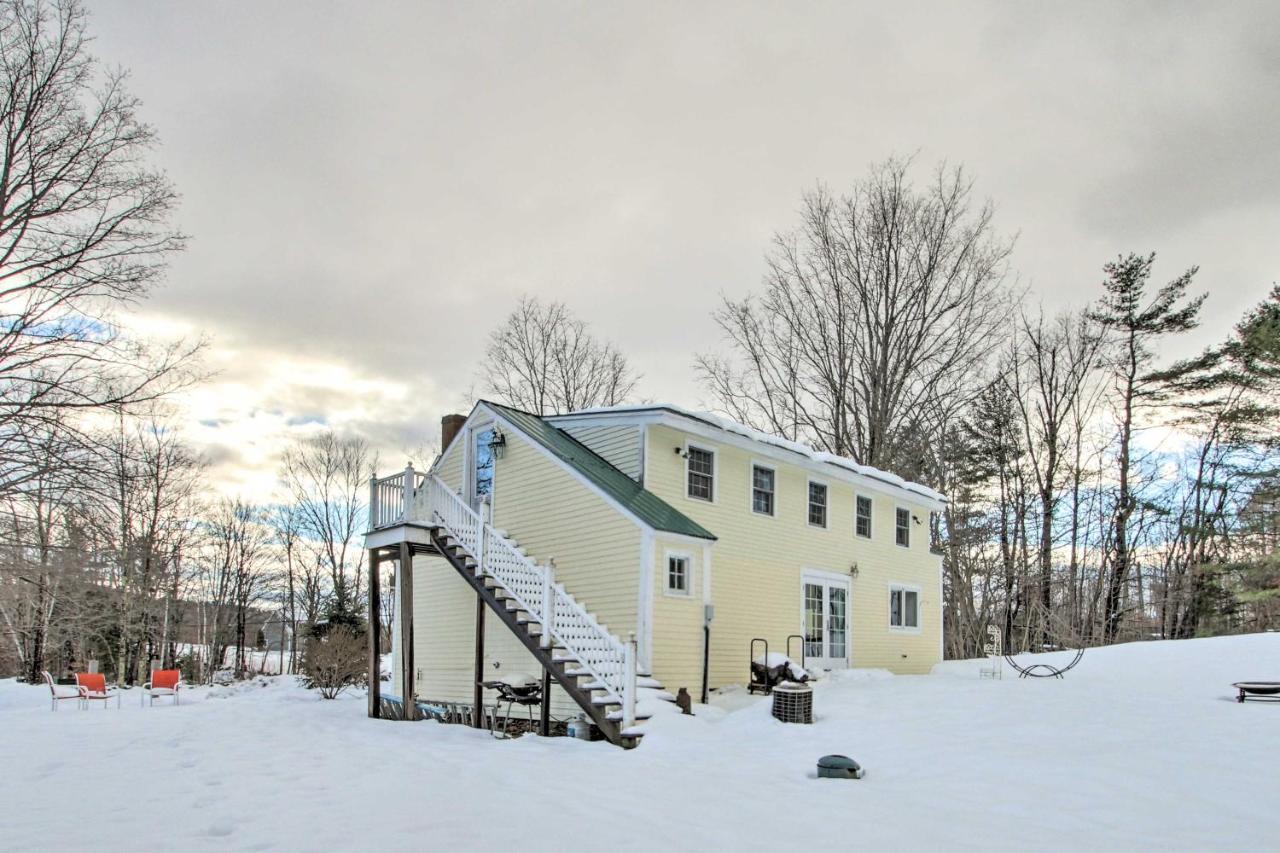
(667, 555)
(706, 573)
(644, 605)
(644, 455)
(897, 509)
(751, 488)
(715, 473)
(828, 578)
(826, 507)
(904, 587)
(686, 423)
(871, 517)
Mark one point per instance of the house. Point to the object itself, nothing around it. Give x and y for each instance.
(657, 543)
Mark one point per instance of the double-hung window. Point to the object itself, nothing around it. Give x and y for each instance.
(762, 489)
(863, 522)
(818, 504)
(677, 575)
(904, 607)
(701, 473)
(902, 529)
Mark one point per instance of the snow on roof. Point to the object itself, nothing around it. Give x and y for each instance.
(799, 447)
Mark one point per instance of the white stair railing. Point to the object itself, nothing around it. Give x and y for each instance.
(533, 587)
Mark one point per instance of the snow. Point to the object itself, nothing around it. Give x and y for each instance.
(1141, 747)
(777, 659)
(729, 425)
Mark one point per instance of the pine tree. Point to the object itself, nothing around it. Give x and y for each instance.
(1135, 322)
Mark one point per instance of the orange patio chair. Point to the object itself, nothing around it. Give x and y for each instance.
(93, 688)
(164, 682)
(61, 691)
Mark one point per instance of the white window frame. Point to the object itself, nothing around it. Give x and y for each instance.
(751, 484)
(871, 516)
(896, 511)
(903, 588)
(826, 506)
(715, 472)
(667, 557)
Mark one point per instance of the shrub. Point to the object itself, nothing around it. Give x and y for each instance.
(334, 660)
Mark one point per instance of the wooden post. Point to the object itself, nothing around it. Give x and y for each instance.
(477, 719)
(375, 631)
(405, 608)
(544, 723)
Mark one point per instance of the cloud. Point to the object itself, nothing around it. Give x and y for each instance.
(370, 190)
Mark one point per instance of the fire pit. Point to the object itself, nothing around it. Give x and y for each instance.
(1258, 691)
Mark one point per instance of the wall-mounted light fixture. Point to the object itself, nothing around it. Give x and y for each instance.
(681, 452)
(497, 444)
(916, 519)
(853, 570)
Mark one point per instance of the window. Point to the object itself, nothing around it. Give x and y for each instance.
(904, 607)
(701, 468)
(762, 489)
(863, 525)
(902, 531)
(818, 504)
(677, 575)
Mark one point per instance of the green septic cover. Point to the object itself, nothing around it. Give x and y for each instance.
(639, 501)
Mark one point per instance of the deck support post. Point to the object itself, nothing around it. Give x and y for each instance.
(405, 608)
(375, 638)
(477, 718)
(544, 722)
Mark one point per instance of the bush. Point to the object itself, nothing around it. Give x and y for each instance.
(334, 660)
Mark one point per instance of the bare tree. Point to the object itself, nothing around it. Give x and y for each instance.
(326, 480)
(544, 360)
(876, 314)
(141, 519)
(1051, 366)
(82, 229)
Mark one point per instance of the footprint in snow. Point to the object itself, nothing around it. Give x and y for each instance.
(220, 829)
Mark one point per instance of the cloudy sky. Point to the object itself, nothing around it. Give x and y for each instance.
(371, 186)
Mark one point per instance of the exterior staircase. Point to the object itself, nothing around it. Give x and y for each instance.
(595, 668)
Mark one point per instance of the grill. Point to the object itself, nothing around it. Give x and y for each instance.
(793, 703)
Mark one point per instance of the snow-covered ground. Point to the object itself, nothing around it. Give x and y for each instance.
(1141, 747)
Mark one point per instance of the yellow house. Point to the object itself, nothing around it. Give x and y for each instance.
(657, 544)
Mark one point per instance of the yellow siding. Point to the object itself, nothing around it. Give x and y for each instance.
(677, 620)
(758, 561)
(449, 468)
(549, 513)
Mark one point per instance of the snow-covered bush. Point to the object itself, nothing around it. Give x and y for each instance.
(334, 660)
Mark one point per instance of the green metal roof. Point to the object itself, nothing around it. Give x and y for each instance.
(636, 499)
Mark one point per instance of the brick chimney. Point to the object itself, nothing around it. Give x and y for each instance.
(450, 425)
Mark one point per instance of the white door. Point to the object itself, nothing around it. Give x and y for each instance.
(480, 475)
(826, 621)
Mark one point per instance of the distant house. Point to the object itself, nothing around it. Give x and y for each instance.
(657, 543)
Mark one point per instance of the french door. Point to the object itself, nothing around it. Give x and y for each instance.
(826, 620)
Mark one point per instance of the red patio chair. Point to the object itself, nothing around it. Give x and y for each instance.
(93, 688)
(61, 691)
(164, 682)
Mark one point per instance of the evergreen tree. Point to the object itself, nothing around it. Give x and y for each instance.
(1135, 322)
